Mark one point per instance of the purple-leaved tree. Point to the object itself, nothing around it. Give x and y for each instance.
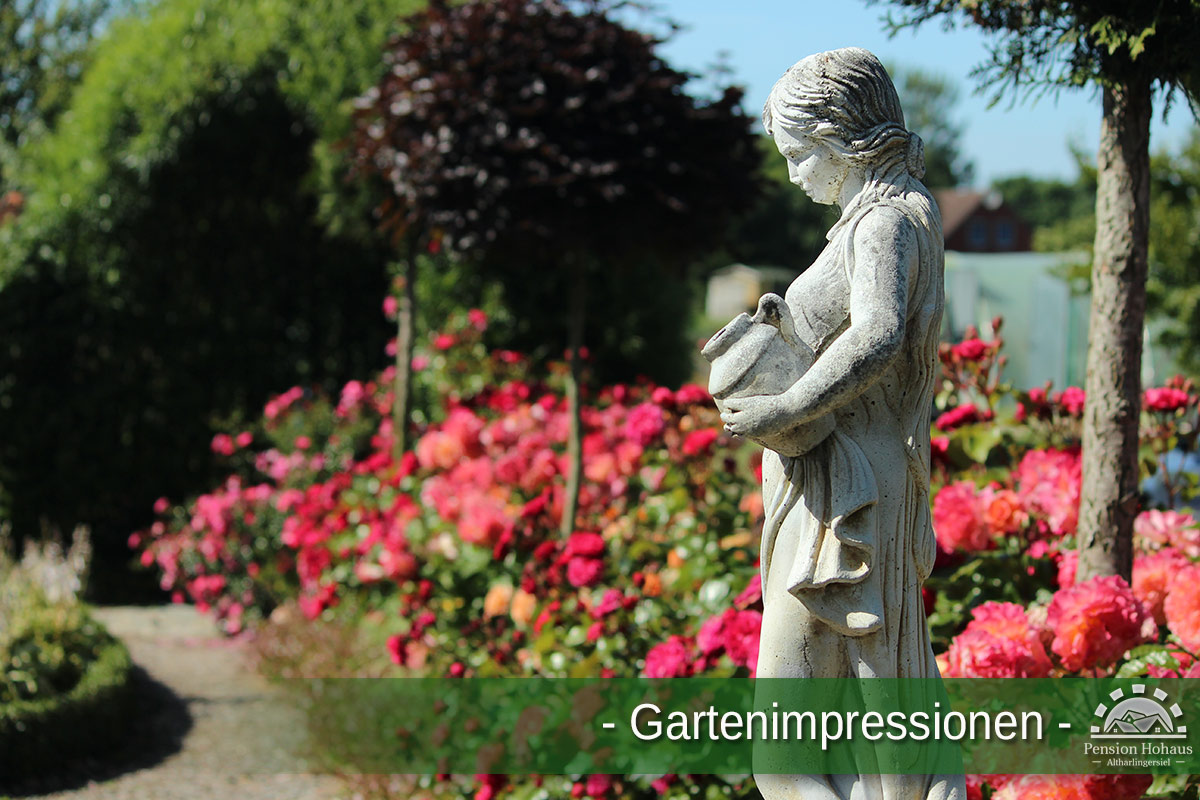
(545, 138)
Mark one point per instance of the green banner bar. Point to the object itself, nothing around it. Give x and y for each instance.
(739, 726)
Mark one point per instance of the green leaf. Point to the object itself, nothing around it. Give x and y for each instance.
(1138, 44)
(1145, 656)
(587, 668)
(1167, 785)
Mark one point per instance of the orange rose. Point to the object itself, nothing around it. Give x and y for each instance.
(523, 607)
(497, 600)
(1003, 513)
(752, 504)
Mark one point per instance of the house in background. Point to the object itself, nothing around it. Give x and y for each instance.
(991, 271)
(981, 222)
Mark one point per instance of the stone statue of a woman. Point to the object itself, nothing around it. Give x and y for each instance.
(848, 539)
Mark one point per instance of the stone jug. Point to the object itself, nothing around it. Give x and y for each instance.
(762, 355)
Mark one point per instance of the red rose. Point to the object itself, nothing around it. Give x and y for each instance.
(1071, 400)
(700, 441)
(1166, 399)
(970, 349)
(585, 544)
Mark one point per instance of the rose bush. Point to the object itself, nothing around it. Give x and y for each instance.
(452, 551)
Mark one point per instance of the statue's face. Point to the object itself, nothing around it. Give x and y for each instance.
(812, 165)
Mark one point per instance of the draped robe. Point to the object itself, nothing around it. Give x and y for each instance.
(847, 539)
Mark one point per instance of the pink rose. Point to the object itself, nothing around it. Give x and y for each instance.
(964, 414)
(583, 572)
(999, 642)
(958, 519)
(711, 637)
(669, 659)
(1155, 529)
(1153, 575)
(1048, 484)
(645, 423)
(742, 630)
(971, 349)
(1182, 607)
(1071, 400)
(1095, 622)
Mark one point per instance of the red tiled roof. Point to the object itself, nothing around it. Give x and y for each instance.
(956, 207)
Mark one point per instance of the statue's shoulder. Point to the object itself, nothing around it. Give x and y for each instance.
(889, 223)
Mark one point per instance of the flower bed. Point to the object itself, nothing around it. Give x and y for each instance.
(452, 551)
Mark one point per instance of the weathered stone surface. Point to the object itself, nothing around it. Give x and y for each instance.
(763, 355)
(837, 382)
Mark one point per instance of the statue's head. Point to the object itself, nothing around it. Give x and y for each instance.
(839, 110)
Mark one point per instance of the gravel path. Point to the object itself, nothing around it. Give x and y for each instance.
(207, 726)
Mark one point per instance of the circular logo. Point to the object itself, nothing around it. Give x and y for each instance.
(1141, 715)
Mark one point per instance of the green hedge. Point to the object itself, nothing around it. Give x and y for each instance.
(37, 736)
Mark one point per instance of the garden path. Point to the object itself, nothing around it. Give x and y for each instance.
(208, 725)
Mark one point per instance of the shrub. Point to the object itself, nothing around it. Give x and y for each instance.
(38, 735)
(64, 680)
(188, 245)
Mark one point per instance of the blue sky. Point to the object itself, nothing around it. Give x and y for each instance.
(765, 37)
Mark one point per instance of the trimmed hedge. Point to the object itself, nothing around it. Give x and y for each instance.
(37, 736)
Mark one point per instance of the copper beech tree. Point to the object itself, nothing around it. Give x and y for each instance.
(1129, 50)
(546, 141)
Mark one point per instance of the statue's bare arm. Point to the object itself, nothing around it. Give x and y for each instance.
(885, 254)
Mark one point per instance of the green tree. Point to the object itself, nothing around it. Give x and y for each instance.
(555, 145)
(1127, 50)
(1062, 213)
(43, 49)
(929, 101)
(782, 227)
(189, 246)
(1174, 291)
(1064, 216)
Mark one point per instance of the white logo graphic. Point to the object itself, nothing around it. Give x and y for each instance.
(1138, 716)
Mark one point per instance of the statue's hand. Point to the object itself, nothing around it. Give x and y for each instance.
(757, 416)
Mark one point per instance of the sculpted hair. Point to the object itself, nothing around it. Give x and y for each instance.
(847, 99)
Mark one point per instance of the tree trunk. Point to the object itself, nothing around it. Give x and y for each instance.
(406, 311)
(1109, 499)
(576, 308)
